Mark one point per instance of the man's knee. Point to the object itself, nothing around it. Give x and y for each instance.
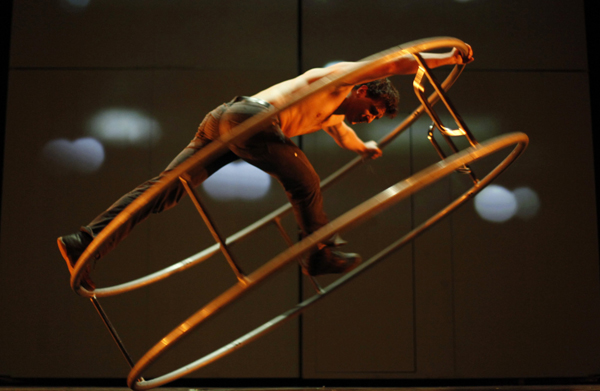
(306, 187)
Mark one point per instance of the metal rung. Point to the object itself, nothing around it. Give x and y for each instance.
(466, 169)
(290, 243)
(215, 233)
(113, 332)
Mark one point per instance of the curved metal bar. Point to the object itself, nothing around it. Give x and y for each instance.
(357, 215)
(246, 129)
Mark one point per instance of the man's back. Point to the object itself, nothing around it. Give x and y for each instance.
(313, 113)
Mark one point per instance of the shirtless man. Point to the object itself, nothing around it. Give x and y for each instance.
(362, 99)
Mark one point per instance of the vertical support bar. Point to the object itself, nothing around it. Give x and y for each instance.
(462, 130)
(288, 240)
(436, 146)
(423, 68)
(466, 169)
(111, 330)
(286, 237)
(215, 233)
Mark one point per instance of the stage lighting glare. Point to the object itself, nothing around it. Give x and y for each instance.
(528, 202)
(74, 5)
(496, 204)
(482, 126)
(124, 127)
(83, 156)
(79, 3)
(238, 181)
(330, 63)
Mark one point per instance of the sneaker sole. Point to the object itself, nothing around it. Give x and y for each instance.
(86, 281)
(354, 266)
(63, 251)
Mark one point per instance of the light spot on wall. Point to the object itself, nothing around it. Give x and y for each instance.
(62, 156)
(237, 181)
(74, 5)
(124, 127)
(330, 63)
(498, 204)
(528, 202)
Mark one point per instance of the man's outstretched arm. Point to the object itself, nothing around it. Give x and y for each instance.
(404, 65)
(346, 138)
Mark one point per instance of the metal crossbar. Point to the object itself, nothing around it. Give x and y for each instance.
(276, 220)
(214, 231)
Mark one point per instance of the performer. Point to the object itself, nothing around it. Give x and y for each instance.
(360, 99)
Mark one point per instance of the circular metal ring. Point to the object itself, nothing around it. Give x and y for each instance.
(357, 215)
(218, 147)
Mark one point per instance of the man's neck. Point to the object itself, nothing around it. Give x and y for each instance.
(341, 110)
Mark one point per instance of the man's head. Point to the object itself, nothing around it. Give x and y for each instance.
(371, 101)
(383, 90)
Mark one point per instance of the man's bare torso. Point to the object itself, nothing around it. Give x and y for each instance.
(313, 113)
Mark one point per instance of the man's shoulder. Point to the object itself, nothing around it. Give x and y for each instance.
(330, 72)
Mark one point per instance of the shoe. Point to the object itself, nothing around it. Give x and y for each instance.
(71, 247)
(336, 241)
(329, 261)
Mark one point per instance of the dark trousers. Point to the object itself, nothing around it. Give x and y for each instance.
(268, 150)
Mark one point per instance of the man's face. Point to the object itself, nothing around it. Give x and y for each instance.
(362, 109)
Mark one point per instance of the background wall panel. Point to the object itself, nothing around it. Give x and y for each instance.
(232, 35)
(533, 276)
(530, 35)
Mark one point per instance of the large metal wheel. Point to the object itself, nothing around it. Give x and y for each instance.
(359, 214)
(458, 161)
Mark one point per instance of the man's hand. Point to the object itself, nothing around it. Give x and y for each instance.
(371, 151)
(459, 58)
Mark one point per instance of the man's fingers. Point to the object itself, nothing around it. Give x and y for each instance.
(469, 56)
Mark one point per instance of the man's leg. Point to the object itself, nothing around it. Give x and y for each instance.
(278, 156)
(288, 164)
(283, 160)
(72, 246)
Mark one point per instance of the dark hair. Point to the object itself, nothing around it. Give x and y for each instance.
(384, 91)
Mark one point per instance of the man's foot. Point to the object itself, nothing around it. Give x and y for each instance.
(71, 247)
(336, 241)
(329, 261)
